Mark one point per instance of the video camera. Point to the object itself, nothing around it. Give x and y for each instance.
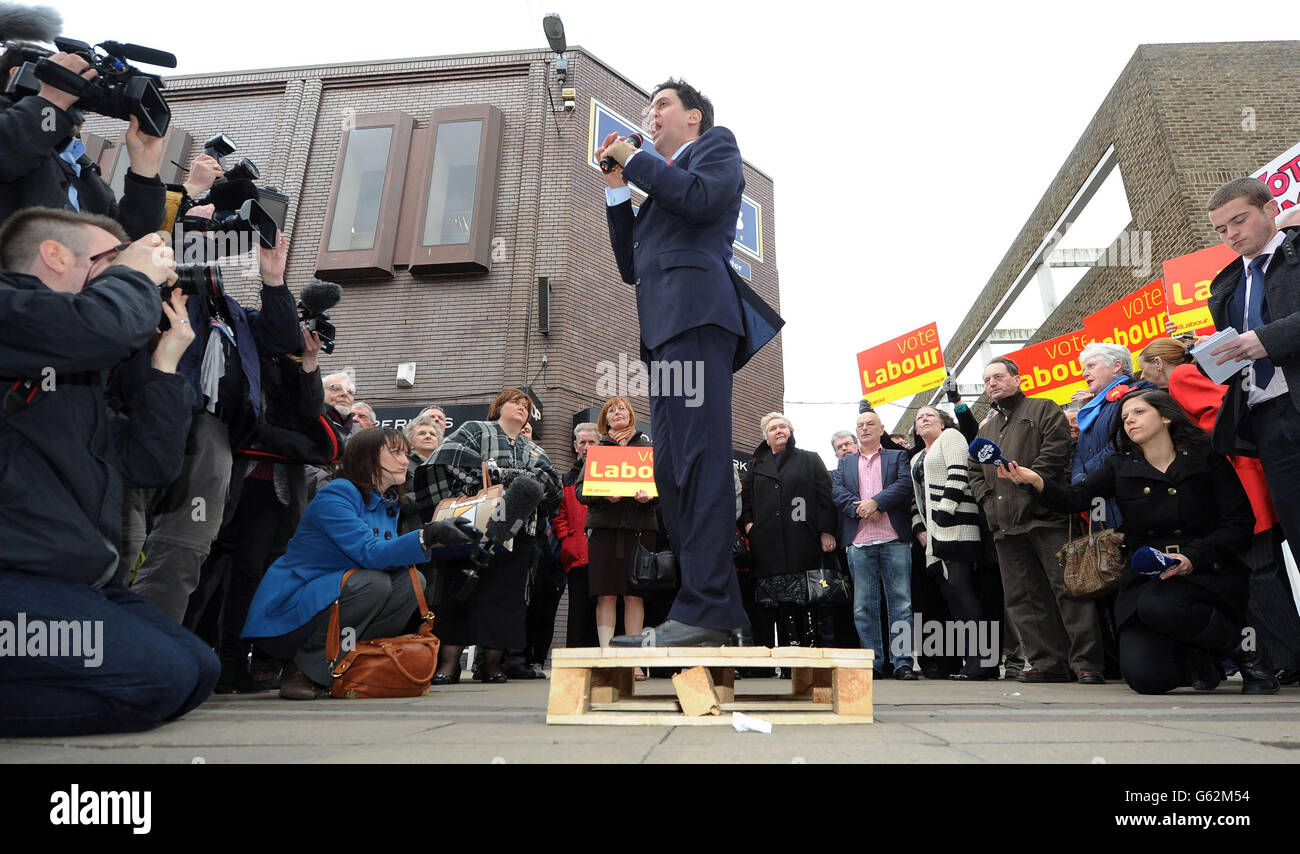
(119, 90)
(313, 311)
(238, 201)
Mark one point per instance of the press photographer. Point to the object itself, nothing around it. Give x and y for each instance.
(44, 161)
(76, 299)
(223, 367)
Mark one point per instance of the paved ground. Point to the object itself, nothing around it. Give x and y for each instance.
(917, 722)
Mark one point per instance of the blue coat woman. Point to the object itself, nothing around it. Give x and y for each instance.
(350, 524)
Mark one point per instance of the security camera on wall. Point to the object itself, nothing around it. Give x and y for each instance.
(406, 375)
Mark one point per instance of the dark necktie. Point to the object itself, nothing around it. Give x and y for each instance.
(1257, 315)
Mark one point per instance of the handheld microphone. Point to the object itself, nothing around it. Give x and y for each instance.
(607, 164)
(1151, 561)
(986, 452)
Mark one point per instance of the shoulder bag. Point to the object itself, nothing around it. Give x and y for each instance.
(383, 667)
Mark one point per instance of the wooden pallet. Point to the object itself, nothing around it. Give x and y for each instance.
(595, 686)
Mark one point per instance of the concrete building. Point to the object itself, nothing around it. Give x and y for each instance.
(1181, 120)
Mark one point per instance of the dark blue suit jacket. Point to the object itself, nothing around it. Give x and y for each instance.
(895, 498)
(676, 250)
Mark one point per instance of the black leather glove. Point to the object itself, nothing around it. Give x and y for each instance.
(452, 532)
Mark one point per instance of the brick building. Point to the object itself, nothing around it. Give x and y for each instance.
(1181, 120)
(468, 315)
(527, 203)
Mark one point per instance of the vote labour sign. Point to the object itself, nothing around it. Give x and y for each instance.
(1132, 322)
(1282, 175)
(1051, 368)
(1187, 287)
(902, 367)
(613, 470)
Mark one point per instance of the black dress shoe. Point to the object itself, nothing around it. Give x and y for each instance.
(1287, 677)
(1034, 676)
(673, 633)
(905, 673)
(497, 678)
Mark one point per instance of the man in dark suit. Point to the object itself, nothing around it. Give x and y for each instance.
(873, 493)
(1259, 296)
(695, 315)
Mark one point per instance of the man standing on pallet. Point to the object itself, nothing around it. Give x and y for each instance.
(695, 314)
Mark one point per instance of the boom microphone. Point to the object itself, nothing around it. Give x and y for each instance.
(517, 506)
(319, 297)
(607, 164)
(987, 452)
(522, 497)
(29, 23)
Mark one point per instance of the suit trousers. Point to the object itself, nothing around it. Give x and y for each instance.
(1056, 632)
(693, 472)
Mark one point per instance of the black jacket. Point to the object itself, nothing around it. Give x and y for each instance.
(1197, 505)
(790, 507)
(32, 173)
(64, 456)
(1280, 337)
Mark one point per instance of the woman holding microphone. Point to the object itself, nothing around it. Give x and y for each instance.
(1182, 602)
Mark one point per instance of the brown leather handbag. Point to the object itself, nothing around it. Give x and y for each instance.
(383, 667)
(1093, 564)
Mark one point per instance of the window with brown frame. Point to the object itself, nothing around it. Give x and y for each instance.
(361, 224)
(114, 160)
(457, 160)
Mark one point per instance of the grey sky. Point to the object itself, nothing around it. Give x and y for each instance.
(908, 142)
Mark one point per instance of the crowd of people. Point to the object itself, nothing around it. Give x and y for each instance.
(177, 473)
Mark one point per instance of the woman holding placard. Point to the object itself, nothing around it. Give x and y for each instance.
(612, 524)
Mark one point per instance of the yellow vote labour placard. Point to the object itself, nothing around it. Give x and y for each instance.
(615, 470)
(902, 367)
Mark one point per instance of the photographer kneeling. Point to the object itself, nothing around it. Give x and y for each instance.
(350, 524)
(78, 654)
(1182, 601)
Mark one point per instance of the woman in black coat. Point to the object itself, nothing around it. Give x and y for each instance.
(613, 524)
(790, 519)
(1179, 497)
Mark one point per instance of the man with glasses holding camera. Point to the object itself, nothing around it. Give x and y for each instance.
(80, 653)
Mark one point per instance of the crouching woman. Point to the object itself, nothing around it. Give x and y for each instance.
(350, 524)
(1182, 499)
